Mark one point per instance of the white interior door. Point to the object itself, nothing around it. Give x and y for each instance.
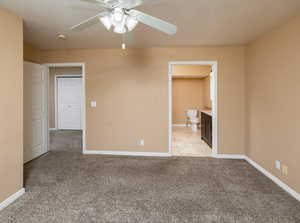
(35, 111)
(69, 103)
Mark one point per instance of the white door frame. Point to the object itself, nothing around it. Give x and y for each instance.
(55, 94)
(82, 65)
(214, 65)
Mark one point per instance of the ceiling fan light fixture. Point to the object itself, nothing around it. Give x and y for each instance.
(106, 20)
(131, 23)
(118, 15)
(120, 29)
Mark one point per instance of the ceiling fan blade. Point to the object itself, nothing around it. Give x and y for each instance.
(154, 22)
(100, 3)
(94, 1)
(129, 4)
(80, 8)
(88, 22)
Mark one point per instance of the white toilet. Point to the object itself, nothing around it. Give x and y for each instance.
(193, 118)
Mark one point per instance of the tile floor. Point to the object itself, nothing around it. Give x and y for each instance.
(189, 143)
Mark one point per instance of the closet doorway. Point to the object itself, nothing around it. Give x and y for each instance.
(68, 102)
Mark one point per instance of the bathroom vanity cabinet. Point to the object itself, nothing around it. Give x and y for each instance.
(206, 128)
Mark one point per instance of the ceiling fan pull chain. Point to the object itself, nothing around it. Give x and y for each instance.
(123, 42)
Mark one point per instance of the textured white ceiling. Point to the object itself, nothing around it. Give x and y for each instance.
(200, 22)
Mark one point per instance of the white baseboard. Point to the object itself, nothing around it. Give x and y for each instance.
(229, 156)
(52, 129)
(121, 153)
(11, 199)
(179, 125)
(276, 180)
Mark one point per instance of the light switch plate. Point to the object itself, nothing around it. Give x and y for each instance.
(277, 164)
(142, 142)
(93, 104)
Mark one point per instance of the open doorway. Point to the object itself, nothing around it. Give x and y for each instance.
(66, 108)
(193, 109)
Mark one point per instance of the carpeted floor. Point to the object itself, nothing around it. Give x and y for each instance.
(66, 140)
(67, 187)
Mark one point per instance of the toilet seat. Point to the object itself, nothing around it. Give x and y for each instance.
(195, 120)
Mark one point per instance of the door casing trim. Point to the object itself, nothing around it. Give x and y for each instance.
(82, 65)
(214, 65)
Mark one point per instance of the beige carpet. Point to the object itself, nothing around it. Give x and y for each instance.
(65, 186)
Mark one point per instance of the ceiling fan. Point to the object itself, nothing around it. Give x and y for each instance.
(122, 18)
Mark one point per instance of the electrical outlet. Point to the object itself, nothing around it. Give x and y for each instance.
(93, 104)
(142, 142)
(277, 164)
(285, 170)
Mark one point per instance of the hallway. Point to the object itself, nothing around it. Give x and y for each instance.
(66, 140)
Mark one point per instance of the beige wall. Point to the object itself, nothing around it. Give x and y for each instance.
(11, 104)
(190, 89)
(130, 88)
(52, 72)
(273, 89)
(206, 92)
(188, 93)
